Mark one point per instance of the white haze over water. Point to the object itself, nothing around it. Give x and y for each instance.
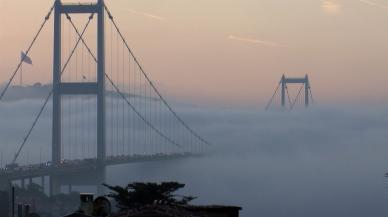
(324, 161)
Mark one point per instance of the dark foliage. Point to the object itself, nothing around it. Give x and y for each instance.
(31, 190)
(138, 194)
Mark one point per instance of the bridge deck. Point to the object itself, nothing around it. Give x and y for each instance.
(76, 166)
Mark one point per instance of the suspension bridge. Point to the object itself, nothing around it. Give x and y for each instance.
(105, 108)
(282, 100)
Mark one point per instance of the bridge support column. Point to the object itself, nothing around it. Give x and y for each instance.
(101, 150)
(283, 96)
(56, 124)
(6, 187)
(101, 190)
(55, 186)
(42, 182)
(306, 91)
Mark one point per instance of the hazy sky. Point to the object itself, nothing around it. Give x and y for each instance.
(229, 51)
(327, 162)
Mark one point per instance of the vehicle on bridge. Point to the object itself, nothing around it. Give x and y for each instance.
(11, 166)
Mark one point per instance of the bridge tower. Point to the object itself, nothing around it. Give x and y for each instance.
(304, 81)
(284, 100)
(78, 88)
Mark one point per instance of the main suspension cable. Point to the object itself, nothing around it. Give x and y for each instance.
(149, 124)
(47, 17)
(297, 96)
(273, 96)
(49, 95)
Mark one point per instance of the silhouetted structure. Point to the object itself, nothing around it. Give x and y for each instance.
(149, 200)
(180, 211)
(4, 204)
(284, 93)
(79, 88)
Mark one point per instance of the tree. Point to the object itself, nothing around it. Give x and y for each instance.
(138, 194)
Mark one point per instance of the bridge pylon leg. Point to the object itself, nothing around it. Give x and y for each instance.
(101, 117)
(306, 92)
(56, 121)
(55, 186)
(6, 186)
(42, 183)
(283, 93)
(101, 190)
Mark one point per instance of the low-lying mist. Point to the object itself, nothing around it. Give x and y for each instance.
(324, 161)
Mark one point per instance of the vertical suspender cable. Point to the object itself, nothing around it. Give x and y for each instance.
(68, 143)
(130, 119)
(272, 98)
(149, 124)
(88, 114)
(153, 86)
(81, 109)
(297, 98)
(111, 91)
(117, 98)
(122, 102)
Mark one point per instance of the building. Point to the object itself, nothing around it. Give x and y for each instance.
(4, 204)
(158, 210)
(101, 207)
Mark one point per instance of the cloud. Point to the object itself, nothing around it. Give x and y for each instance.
(368, 2)
(145, 14)
(374, 4)
(331, 7)
(154, 16)
(255, 41)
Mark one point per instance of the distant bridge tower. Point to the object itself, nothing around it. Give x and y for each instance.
(78, 88)
(304, 81)
(284, 95)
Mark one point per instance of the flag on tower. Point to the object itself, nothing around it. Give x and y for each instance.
(26, 58)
